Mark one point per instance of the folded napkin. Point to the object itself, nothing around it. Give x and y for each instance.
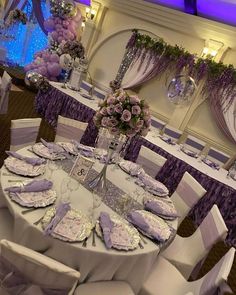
(167, 140)
(61, 211)
(153, 186)
(32, 161)
(131, 168)
(33, 186)
(211, 164)
(82, 147)
(138, 220)
(189, 152)
(161, 208)
(106, 226)
(53, 147)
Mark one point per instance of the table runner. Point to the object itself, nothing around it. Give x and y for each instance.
(217, 192)
(54, 102)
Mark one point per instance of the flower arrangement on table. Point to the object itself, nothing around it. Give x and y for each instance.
(74, 48)
(125, 114)
(16, 16)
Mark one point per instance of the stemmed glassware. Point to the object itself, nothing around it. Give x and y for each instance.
(51, 168)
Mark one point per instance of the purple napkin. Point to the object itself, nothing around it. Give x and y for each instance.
(161, 208)
(32, 161)
(189, 153)
(138, 220)
(33, 186)
(153, 186)
(167, 140)
(107, 226)
(53, 148)
(211, 164)
(61, 211)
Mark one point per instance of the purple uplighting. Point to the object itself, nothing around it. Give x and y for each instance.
(85, 2)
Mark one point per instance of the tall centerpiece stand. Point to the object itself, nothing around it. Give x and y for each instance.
(122, 115)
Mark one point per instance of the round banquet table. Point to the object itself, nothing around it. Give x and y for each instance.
(94, 263)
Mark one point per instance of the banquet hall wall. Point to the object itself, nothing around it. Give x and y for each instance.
(106, 39)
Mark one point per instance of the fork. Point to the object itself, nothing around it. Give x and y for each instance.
(85, 242)
(93, 238)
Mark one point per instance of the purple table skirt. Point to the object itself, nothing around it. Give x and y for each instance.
(217, 192)
(54, 102)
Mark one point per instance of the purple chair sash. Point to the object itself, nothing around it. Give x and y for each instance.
(149, 167)
(172, 133)
(156, 124)
(15, 283)
(23, 135)
(218, 156)
(187, 194)
(194, 144)
(69, 132)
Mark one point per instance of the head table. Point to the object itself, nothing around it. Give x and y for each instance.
(220, 189)
(94, 263)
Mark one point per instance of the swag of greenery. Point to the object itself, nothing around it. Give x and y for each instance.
(219, 79)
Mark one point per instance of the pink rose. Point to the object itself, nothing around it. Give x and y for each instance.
(144, 132)
(131, 133)
(134, 99)
(126, 116)
(148, 122)
(140, 123)
(111, 100)
(103, 111)
(121, 98)
(114, 130)
(112, 122)
(136, 110)
(110, 109)
(146, 111)
(118, 108)
(104, 121)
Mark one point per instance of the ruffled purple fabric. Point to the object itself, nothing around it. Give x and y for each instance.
(217, 192)
(106, 226)
(29, 160)
(61, 211)
(33, 186)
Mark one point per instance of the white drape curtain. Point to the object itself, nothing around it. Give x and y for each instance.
(230, 118)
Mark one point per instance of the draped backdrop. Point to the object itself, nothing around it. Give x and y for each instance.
(146, 58)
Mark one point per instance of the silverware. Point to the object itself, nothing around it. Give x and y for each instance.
(16, 180)
(9, 174)
(93, 238)
(142, 238)
(38, 221)
(141, 245)
(85, 242)
(28, 211)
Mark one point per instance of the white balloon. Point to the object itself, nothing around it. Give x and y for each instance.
(65, 61)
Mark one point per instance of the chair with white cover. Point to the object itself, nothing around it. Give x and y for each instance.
(99, 93)
(24, 132)
(187, 253)
(186, 195)
(165, 279)
(38, 274)
(194, 144)
(86, 86)
(150, 161)
(172, 133)
(5, 89)
(156, 124)
(68, 129)
(217, 157)
(104, 288)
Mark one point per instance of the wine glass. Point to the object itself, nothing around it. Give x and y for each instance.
(72, 185)
(51, 167)
(65, 198)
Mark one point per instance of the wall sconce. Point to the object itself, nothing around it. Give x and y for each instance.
(212, 48)
(90, 13)
(83, 25)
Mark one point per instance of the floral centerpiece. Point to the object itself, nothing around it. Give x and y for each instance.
(125, 114)
(74, 48)
(16, 16)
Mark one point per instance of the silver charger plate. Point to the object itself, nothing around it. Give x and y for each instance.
(20, 167)
(42, 151)
(125, 226)
(74, 215)
(39, 199)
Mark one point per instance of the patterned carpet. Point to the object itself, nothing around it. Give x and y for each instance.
(21, 105)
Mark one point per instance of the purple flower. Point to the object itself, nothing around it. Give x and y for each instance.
(121, 98)
(131, 132)
(136, 110)
(126, 116)
(134, 99)
(104, 121)
(112, 122)
(114, 130)
(140, 123)
(103, 111)
(110, 109)
(118, 108)
(111, 100)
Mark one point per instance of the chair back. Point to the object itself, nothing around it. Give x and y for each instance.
(217, 156)
(68, 129)
(150, 161)
(186, 195)
(194, 144)
(86, 86)
(39, 270)
(212, 282)
(172, 132)
(99, 93)
(156, 124)
(5, 89)
(24, 132)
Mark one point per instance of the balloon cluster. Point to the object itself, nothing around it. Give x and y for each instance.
(181, 89)
(61, 28)
(62, 8)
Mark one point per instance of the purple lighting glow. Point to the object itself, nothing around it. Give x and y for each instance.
(176, 4)
(85, 2)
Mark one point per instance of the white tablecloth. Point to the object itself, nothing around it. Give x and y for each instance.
(95, 263)
(174, 150)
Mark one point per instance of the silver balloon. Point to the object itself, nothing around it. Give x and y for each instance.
(32, 79)
(181, 89)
